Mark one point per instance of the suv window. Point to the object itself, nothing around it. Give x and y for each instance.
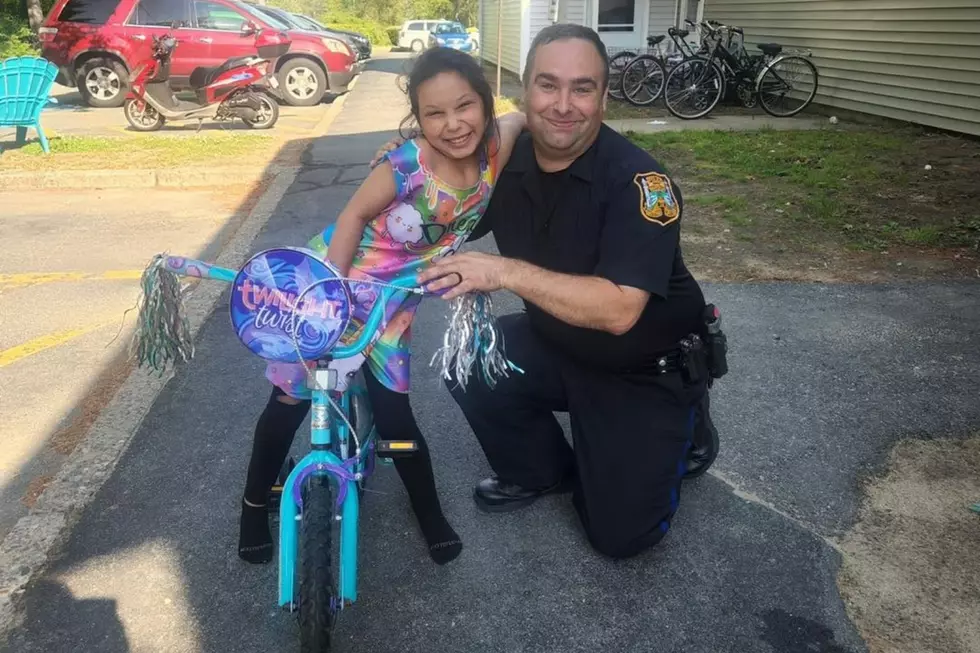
(211, 15)
(160, 13)
(92, 12)
(415, 27)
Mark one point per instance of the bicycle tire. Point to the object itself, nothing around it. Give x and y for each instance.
(648, 66)
(616, 66)
(318, 603)
(769, 68)
(716, 80)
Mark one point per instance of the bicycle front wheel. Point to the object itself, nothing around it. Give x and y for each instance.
(318, 601)
(693, 88)
(616, 66)
(643, 80)
(787, 86)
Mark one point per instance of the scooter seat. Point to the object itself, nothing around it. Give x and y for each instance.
(203, 76)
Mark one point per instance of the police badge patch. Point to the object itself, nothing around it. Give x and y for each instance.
(657, 201)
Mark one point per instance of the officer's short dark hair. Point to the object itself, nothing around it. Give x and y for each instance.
(561, 32)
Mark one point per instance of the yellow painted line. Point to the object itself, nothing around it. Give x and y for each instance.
(24, 279)
(37, 345)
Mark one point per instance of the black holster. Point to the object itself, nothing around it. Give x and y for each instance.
(716, 343)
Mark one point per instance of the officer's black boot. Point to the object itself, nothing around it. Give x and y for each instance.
(704, 446)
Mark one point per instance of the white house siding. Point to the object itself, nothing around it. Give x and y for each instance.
(662, 14)
(511, 53)
(573, 11)
(912, 60)
(539, 17)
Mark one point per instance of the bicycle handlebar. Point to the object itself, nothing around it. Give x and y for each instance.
(200, 270)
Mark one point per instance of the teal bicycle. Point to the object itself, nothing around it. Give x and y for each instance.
(288, 305)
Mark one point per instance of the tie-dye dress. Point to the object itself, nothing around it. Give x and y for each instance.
(427, 219)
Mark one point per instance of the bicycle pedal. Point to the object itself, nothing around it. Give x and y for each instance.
(396, 448)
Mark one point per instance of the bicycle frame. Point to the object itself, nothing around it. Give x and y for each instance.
(329, 441)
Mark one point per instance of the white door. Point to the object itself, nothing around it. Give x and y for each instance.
(621, 23)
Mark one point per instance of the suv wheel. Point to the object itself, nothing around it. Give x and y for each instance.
(302, 81)
(417, 46)
(102, 82)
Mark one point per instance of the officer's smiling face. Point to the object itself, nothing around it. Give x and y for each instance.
(565, 98)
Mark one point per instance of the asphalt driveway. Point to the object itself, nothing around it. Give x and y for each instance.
(823, 380)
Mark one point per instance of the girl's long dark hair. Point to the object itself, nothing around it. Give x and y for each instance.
(446, 60)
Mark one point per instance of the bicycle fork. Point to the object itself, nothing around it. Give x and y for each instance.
(344, 475)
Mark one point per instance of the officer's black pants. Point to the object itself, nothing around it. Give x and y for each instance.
(630, 437)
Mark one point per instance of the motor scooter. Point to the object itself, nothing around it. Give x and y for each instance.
(241, 87)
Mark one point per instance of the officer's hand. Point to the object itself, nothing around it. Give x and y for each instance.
(463, 273)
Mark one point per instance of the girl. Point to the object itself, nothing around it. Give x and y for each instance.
(422, 201)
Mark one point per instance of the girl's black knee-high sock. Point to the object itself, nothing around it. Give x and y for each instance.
(274, 434)
(394, 420)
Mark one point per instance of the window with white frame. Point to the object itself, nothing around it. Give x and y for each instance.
(616, 15)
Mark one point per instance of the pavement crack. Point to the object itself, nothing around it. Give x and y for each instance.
(745, 495)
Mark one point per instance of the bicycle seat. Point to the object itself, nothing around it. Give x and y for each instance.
(683, 33)
(653, 40)
(772, 49)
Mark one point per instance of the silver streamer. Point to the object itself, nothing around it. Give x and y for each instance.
(162, 334)
(472, 339)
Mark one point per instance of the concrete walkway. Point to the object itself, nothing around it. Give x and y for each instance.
(720, 121)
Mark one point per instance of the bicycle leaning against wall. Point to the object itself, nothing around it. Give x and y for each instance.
(783, 83)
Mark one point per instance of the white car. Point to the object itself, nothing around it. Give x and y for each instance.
(414, 34)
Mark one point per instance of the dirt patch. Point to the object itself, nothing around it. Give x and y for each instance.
(911, 574)
(833, 205)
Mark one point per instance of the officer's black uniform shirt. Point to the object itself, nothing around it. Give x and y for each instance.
(614, 214)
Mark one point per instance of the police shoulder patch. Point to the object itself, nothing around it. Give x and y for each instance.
(657, 201)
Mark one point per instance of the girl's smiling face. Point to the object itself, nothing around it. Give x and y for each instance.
(451, 115)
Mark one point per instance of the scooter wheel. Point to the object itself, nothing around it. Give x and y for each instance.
(142, 118)
(268, 114)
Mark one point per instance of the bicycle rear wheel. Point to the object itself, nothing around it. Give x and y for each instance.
(693, 88)
(643, 80)
(616, 65)
(787, 86)
(318, 601)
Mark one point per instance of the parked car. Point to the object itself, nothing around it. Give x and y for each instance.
(355, 41)
(451, 35)
(414, 34)
(96, 44)
(361, 43)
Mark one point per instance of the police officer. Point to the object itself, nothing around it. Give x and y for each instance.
(588, 230)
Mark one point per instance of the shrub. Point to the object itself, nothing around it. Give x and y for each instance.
(377, 33)
(16, 38)
(393, 34)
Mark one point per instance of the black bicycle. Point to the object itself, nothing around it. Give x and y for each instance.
(782, 83)
(642, 80)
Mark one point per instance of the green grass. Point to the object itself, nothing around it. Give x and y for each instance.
(150, 151)
(852, 186)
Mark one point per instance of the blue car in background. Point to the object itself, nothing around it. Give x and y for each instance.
(451, 35)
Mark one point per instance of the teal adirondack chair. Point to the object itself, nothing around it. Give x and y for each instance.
(25, 85)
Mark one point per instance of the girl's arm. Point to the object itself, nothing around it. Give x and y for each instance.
(509, 126)
(374, 194)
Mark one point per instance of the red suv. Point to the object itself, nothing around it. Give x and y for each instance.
(96, 43)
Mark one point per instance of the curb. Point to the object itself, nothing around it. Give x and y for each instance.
(103, 179)
(36, 537)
